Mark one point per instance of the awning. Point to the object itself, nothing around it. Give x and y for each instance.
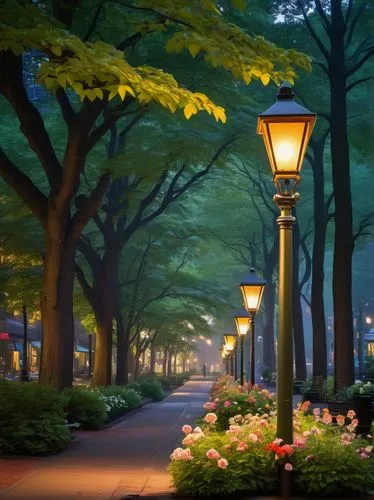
(36, 343)
(80, 348)
(19, 346)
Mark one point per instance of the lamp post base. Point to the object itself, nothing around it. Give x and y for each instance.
(284, 482)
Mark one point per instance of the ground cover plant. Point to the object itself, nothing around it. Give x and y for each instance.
(327, 456)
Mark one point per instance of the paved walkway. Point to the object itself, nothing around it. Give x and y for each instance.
(129, 458)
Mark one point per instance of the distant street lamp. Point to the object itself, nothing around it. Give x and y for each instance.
(230, 342)
(224, 358)
(242, 320)
(252, 288)
(286, 128)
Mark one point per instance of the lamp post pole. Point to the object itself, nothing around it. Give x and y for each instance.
(242, 360)
(236, 361)
(285, 338)
(25, 361)
(252, 350)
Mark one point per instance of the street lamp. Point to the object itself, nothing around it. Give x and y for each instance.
(242, 320)
(286, 128)
(252, 288)
(224, 355)
(230, 343)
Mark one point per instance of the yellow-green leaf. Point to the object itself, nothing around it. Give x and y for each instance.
(190, 110)
(56, 50)
(122, 91)
(265, 78)
(193, 49)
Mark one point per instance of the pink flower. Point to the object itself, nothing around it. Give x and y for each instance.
(210, 405)
(242, 446)
(213, 454)
(227, 404)
(251, 399)
(253, 437)
(234, 440)
(351, 414)
(188, 440)
(299, 442)
(346, 438)
(210, 418)
(187, 429)
(180, 454)
(305, 406)
(222, 463)
(277, 441)
(327, 418)
(288, 466)
(187, 455)
(316, 412)
(340, 420)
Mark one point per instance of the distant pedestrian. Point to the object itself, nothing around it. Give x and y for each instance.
(204, 370)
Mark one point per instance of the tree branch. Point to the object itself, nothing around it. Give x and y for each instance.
(24, 187)
(32, 124)
(313, 33)
(89, 207)
(357, 82)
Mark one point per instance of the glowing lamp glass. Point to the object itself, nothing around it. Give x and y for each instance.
(242, 325)
(286, 128)
(229, 342)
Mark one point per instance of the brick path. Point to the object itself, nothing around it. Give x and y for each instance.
(129, 458)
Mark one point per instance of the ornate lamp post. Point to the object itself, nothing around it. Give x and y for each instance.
(252, 287)
(242, 320)
(230, 342)
(286, 128)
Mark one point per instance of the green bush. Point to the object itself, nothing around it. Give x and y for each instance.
(86, 408)
(150, 388)
(119, 399)
(32, 419)
(333, 468)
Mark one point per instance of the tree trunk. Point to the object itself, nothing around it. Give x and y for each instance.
(123, 347)
(318, 261)
(343, 245)
(268, 330)
(136, 366)
(169, 367)
(152, 362)
(57, 311)
(297, 312)
(165, 362)
(175, 363)
(102, 374)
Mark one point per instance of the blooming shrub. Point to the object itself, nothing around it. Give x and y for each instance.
(327, 456)
(228, 399)
(118, 400)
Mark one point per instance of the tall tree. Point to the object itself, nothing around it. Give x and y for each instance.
(97, 72)
(333, 25)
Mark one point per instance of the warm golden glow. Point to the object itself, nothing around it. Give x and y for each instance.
(242, 325)
(287, 140)
(229, 342)
(252, 295)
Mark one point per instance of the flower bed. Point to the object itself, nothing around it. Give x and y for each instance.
(327, 457)
(228, 399)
